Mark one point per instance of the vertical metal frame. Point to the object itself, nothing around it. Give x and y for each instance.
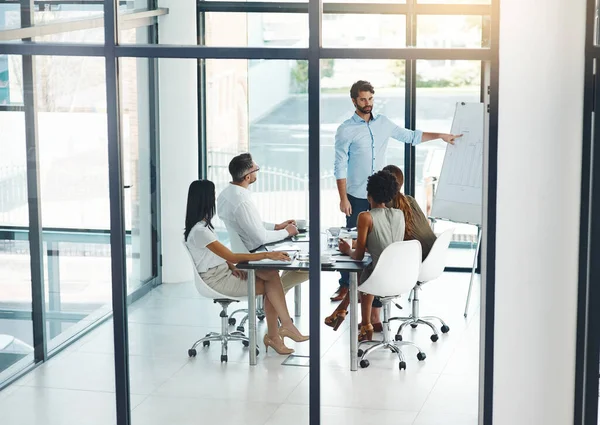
(489, 233)
(36, 249)
(202, 142)
(117, 215)
(315, 14)
(588, 302)
(410, 99)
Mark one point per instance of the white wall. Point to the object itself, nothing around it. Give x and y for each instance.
(539, 168)
(178, 100)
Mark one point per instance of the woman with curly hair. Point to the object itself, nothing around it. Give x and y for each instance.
(417, 225)
(377, 228)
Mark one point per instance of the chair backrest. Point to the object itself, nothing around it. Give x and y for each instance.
(397, 270)
(236, 242)
(201, 286)
(435, 263)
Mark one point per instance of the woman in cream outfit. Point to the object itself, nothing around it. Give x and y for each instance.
(216, 265)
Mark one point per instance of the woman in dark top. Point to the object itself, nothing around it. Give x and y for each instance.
(417, 225)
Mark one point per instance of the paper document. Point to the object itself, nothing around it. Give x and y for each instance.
(284, 247)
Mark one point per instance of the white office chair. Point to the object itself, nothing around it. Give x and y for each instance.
(224, 336)
(431, 269)
(395, 274)
(238, 246)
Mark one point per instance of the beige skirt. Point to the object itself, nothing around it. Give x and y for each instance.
(224, 282)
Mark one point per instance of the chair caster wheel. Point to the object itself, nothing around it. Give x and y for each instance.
(261, 317)
(402, 365)
(231, 321)
(257, 352)
(421, 356)
(413, 325)
(206, 344)
(434, 337)
(192, 352)
(240, 329)
(398, 337)
(445, 329)
(245, 343)
(360, 352)
(364, 363)
(224, 358)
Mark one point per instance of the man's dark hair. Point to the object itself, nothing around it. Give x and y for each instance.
(239, 166)
(359, 86)
(382, 187)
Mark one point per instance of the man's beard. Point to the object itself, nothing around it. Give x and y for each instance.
(364, 110)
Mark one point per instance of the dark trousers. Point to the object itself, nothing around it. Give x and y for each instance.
(358, 205)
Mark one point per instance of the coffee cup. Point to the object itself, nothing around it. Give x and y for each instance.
(347, 240)
(301, 224)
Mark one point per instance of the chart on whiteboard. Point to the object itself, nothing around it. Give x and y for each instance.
(462, 171)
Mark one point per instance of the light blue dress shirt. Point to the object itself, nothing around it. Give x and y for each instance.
(360, 149)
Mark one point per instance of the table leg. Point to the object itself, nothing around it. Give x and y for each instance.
(298, 300)
(353, 321)
(252, 316)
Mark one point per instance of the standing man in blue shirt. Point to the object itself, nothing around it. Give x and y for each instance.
(360, 150)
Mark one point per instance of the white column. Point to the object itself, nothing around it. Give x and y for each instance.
(538, 203)
(178, 110)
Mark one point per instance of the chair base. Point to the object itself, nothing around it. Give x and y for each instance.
(224, 336)
(415, 319)
(387, 342)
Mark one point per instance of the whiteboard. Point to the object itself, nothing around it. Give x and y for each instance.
(459, 192)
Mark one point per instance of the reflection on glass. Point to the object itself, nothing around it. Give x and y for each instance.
(455, 1)
(440, 85)
(72, 142)
(256, 29)
(368, 31)
(337, 76)
(261, 107)
(139, 168)
(16, 332)
(442, 32)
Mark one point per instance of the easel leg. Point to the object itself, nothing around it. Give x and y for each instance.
(473, 270)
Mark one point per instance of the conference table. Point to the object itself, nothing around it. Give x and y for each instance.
(342, 263)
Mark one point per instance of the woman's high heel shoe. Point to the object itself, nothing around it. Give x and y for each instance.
(336, 319)
(297, 337)
(366, 333)
(276, 345)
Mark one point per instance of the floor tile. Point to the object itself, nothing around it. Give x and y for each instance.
(266, 382)
(439, 418)
(454, 394)
(161, 410)
(50, 406)
(293, 414)
(147, 373)
(370, 389)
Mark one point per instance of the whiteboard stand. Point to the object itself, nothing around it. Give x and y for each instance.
(473, 269)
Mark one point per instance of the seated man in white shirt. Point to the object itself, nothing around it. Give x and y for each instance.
(239, 213)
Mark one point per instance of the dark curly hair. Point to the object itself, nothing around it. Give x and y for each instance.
(382, 187)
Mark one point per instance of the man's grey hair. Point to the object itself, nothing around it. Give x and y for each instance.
(239, 166)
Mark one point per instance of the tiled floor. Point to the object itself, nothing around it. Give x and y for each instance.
(167, 387)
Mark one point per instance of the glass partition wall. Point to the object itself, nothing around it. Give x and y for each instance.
(92, 172)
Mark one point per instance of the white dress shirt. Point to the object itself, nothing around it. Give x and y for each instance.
(238, 212)
(197, 241)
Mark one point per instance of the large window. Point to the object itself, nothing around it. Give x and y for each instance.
(99, 141)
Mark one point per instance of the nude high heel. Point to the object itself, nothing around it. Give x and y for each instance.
(276, 345)
(297, 337)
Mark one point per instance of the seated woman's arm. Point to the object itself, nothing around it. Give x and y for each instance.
(364, 225)
(231, 257)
